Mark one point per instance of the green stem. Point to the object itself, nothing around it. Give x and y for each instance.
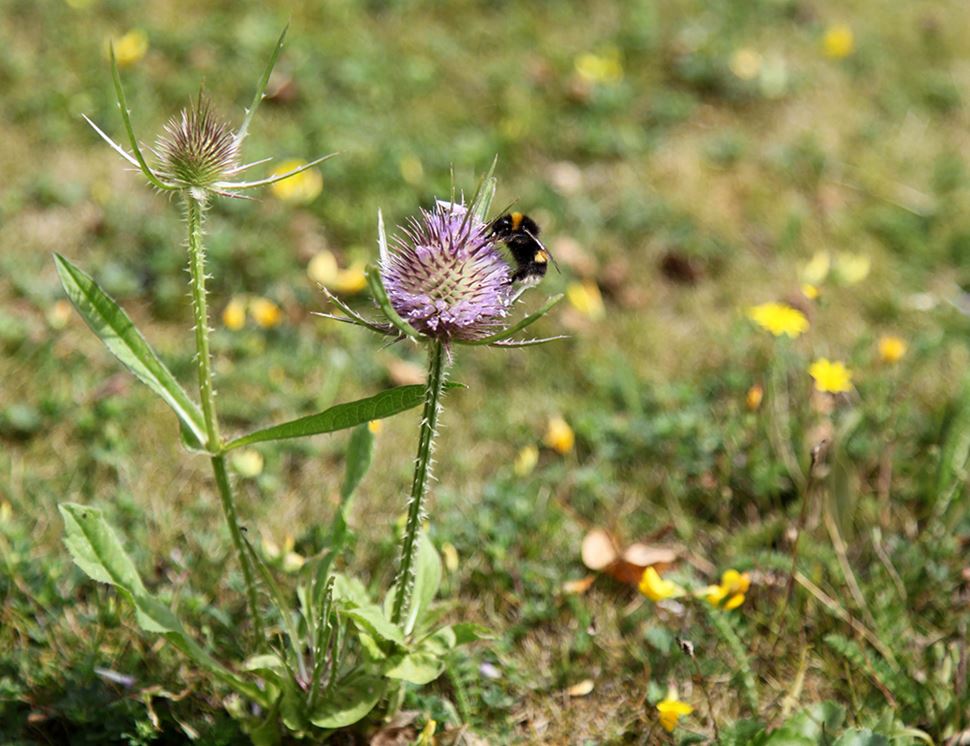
(419, 487)
(194, 213)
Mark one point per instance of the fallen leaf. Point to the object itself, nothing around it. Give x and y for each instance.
(581, 689)
(599, 550)
(578, 586)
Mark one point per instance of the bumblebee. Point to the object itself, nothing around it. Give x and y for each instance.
(520, 234)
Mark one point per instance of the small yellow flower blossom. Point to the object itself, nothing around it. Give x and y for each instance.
(248, 463)
(130, 48)
(754, 397)
(817, 269)
(671, 711)
(6, 512)
(891, 349)
(526, 460)
(301, 188)
(560, 436)
(234, 315)
(838, 42)
(852, 268)
(830, 376)
(656, 588)
(600, 68)
(746, 63)
(265, 313)
(811, 291)
(323, 269)
(585, 297)
(375, 427)
(450, 556)
(730, 593)
(779, 319)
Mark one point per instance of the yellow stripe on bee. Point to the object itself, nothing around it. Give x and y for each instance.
(541, 257)
(517, 220)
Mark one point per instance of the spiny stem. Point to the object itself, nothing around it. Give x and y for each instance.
(194, 214)
(419, 486)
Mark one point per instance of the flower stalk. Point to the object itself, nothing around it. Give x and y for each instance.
(404, 583)
(194, 215)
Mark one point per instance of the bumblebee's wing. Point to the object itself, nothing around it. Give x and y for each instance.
(542, 246)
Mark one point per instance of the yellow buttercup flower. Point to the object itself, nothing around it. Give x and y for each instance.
(130, 48)
(526, 460)
(779, 319)
(730, 593)
(234, 315)
(810, 291)
(600, 68)
(891, 349)
(301, 188)
(838, 42)
(265, 313)
(323, 268)
(375, 427)
(671, 711)
(817, 269)
(831, 376)
(560, 436)
(656, 588)
(754, 397)
(585, 297)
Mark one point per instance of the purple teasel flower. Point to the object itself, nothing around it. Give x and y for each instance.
(443, 278)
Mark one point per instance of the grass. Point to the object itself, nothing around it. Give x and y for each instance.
(676, 161)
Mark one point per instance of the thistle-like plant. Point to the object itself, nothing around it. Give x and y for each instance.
(315, 674)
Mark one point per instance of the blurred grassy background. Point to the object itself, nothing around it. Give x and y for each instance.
(686, 158)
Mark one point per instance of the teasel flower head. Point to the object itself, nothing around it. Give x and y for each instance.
(443, 278)
(198, 152)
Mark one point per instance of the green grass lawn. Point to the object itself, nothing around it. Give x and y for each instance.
(686, 162)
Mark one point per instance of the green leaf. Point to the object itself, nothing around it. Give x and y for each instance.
(350, 591)
(466, 632)
(340, 416)
(417, 668)
(261, 88)
(116, 330)
(516, 328)
(349, 701)
(427, 580)
(864, 737)
(360, 451)
(371, 620)
(97, 551)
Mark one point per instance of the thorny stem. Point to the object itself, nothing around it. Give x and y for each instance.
(419, 487)
(194, 208)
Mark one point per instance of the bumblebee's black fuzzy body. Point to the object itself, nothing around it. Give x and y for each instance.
(520, 234)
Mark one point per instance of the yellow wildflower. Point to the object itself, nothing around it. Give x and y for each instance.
(817, 269)
(730, 593)
(852, 268)
(754, 397)
(671, 711)
(301, 188)
(526, 460)
(248, 463)
(585, 297)
(265, 313)
(131, 47)
(560, 436)
(323, 268)
(746, 64)
(831, 376)
(600, 68)
(838, 42)
(656, 588)
(810, 291)
(779, 319)
(234, 315)
(891, 348)
(375, 427)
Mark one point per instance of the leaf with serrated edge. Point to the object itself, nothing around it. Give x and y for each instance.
(112, 325)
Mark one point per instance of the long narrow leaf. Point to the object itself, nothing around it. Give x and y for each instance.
(340, 416)
(116, 330)
(516, 328)
(261, 87)
(98, 552)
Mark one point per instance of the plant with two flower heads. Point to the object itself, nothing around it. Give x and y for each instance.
(338, 653)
